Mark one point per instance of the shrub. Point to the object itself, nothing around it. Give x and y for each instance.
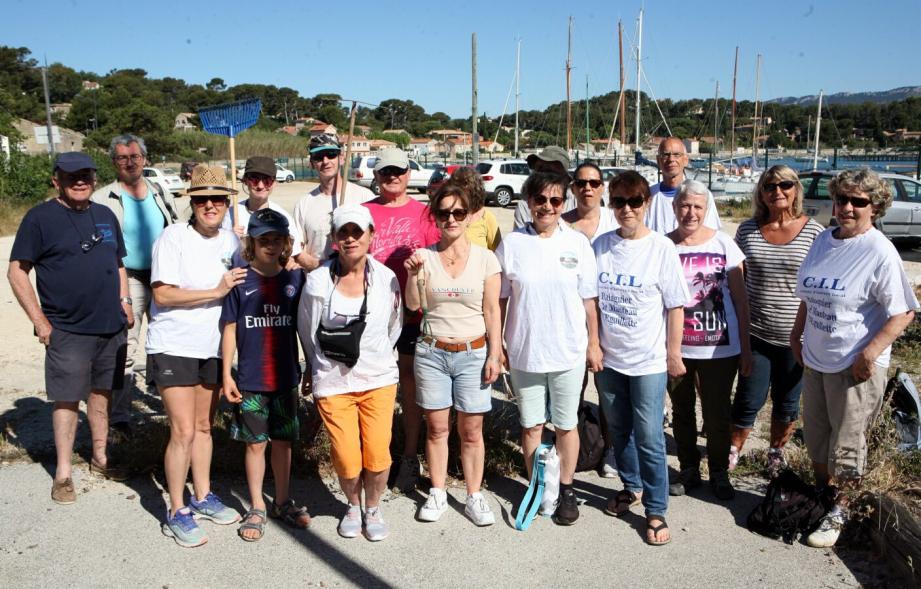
(24, 178)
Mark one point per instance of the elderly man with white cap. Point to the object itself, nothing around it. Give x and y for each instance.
(402, 225)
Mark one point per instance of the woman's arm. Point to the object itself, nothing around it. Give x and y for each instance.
(740, 301)
(414, 265)
(865, 364)
(170, 295)
(492, 315)
(503, 315)
(796, 336)
(674, 330)
(593, 355)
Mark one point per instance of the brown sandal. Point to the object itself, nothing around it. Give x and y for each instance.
(621, 503)
(655, 529)
(294, 515)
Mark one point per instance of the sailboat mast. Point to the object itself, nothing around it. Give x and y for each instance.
(517, 91)
(588, 137)
(732, 134)
(568, 94)
(757, 119)
(473, 107)
(622, 100)
(818, 128)
(639, 57)
(716, 120)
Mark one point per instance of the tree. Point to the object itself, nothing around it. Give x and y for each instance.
(216, 85)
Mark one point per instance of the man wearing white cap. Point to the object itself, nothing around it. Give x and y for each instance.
(402, 225)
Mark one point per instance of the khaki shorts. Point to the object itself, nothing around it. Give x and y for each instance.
(359, 427)
(837, 413)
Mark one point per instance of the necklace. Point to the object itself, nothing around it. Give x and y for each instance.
(89, 243)
(450, 261)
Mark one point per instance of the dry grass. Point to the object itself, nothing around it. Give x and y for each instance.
(736, 210)
(11, 214)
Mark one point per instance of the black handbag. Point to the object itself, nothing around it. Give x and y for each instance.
(343, 344)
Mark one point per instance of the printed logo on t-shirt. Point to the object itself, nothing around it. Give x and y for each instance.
(628, 280)
(452, 292)
(290, 291)
(105, 230)
(569, 260)
(705, 321)
(819, 311)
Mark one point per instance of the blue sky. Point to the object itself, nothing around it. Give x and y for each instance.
(373, 50)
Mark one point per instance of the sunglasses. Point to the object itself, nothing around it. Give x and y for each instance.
(783, 184)
(444, 214)
(322, 155)
(581, 183)
(391, 171)
(216, 201)
(349, 230)
(555, 201)
(635, 202)
(255, 179)
(94, 240)
(856, 201)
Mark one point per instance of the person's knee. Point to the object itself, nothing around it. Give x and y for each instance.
(471, 434)
(437, 430)
(182, 435)
(257, 448)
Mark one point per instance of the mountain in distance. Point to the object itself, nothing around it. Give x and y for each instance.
(882, 97)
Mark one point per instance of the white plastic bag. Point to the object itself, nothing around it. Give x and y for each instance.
(551, 494)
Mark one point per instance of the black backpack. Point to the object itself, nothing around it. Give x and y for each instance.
(591, 442)
(790, 507)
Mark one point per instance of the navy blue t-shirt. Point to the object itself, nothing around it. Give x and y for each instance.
(265, 309)
(76, 275)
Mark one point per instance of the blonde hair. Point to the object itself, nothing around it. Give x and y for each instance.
(778, 173)
(249, 250)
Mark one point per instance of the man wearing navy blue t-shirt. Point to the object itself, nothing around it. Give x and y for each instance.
(81, 311)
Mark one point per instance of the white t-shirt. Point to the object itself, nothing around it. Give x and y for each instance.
(711, 327)
(185, 258)
(313, 214)
(851, 287)
(606, 222)
(661, 216)
(242, 212)
(638, 281)
(546, 281)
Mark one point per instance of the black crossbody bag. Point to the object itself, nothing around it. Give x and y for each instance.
(343, 344)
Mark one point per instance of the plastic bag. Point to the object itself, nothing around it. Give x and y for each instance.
(551, 482)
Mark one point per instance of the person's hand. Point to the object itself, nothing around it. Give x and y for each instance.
(675, 366)
(594, 357)
(240, 231)
(492, 369)
(307, 383)
(292, 265)
(230, 279)
(414, 264)
(43, 332)
(796, 346)
(231, 392)
(745, 364)
(863, 367)
(129, 314)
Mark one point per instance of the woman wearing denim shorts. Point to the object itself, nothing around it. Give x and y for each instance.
(551, 333)
(458, 355)
(856, 300)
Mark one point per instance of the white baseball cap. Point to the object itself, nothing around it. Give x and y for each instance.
(352, 213)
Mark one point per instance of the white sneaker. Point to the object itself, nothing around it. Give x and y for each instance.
(478, 510)
(828, 531)
(608, 464)
(434, 506)
(350, 525)
(376, 528)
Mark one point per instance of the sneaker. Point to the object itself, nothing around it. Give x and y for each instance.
(376, 528)
(435, 505)
(828, 531)
(720, 485)
(608, 464)
(478, 510)
(733, 458)
(684, 481)
(350, 524)
(63, 492)
(182, 528)
(408, 474)
(212, 508)
(567, 511)
(775, 462)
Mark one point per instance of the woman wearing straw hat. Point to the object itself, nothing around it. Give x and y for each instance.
(190, 274)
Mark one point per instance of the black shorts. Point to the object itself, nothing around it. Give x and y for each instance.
(263, 416)
(77, 363)
(165, 371)
(407, 342)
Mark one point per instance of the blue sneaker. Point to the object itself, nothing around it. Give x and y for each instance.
(211, 507)
(182, 528)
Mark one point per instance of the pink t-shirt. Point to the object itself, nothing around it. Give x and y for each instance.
(398, 232)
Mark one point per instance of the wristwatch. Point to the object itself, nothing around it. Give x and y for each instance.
(126, 300)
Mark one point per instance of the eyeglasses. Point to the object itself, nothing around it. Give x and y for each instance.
(856, 201)
(124, 159)
(216, 201)
(783, 185)
(555, 201)
(444, 214)
(635, 202)
(88, 244)
(579, 183)
(325, 154)
(675, 155)
(391, 171)
(255, 179)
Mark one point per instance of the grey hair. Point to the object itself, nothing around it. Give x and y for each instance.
(690, 187)
(126, 139)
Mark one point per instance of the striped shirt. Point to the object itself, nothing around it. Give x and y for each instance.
(770, 279)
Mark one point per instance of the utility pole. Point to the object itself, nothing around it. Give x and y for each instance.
(732, 134)
(473, 109)
(623, 99)
(639, 57)
(568, 93)
(48, 108)
(588, 137)
(517, 92)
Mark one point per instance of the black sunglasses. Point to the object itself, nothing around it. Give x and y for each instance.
(94, 240)
(783, 184)
(444, 214)
(391, 171)
(856, 201)
(581, 183)
(635, 202)
(320, 156)
(540, 199)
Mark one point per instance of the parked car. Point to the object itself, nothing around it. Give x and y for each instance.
(439, 177)
(282, 174)
(503, 179)
(166, 177)
(902, 221)
(362, 172)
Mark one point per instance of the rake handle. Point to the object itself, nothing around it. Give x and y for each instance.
(233, 184)
(347, 164)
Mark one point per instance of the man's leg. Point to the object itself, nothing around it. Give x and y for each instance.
(123, 396)
(97, 414)
(64, 424)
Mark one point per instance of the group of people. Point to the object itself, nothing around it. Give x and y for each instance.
(394, 300)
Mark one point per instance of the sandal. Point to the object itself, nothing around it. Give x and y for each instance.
(290, 513)
(621, 503)
(655, 529)
(249, 524)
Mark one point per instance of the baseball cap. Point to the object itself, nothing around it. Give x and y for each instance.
(260, 165)
(550, 154)
(324, 141)
(73, 161)
(266, 221)
(391, 156)
(352, 213)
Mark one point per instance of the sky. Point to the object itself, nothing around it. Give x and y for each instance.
(421, 51)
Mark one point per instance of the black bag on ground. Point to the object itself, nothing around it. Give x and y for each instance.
(591, 442)
(790, 507)
(906, 410)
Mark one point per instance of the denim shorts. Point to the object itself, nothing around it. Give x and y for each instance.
(451, 379)
(550, 396)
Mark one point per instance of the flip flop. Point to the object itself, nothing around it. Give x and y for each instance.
(655, 531)
(620, 504)
(251, 525)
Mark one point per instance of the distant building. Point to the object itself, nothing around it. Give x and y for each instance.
(360, 145)
(395, 131)
(692, 146)
(319, 127)
(289, 129)
(87, 85)
(35, 138)
(379, 144)
(61, 108)
(491, 147)
(421, 146)
(184, 122)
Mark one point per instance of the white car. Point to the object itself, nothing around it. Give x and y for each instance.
(282, 174)
(362, 173)
(167, 178)
(503, 179)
